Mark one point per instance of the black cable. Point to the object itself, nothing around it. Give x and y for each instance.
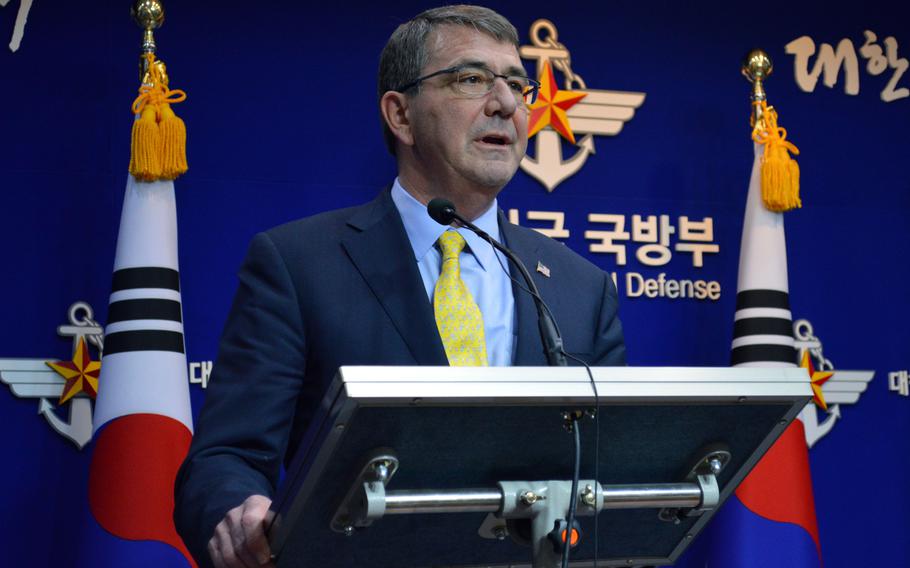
(596, 450)
(596, 467)
(573, 497)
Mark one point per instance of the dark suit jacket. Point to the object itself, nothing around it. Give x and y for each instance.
(342, 288)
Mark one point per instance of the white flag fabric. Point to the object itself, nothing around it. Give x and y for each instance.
(144, 367)
(143, 418)
(763, 327)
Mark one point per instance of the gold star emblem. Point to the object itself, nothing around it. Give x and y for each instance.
(817, 379)
(80, 374)
(551, 106)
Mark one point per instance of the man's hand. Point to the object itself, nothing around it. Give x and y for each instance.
(239, 540)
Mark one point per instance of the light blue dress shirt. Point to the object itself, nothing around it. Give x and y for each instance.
(480, 269)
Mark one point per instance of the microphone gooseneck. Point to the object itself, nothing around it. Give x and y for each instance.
(443, 212)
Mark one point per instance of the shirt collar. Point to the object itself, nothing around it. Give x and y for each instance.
(423, 231)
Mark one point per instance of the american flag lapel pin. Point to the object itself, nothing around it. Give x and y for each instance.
(542, 268)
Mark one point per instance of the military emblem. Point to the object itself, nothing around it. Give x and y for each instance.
(58, 383)
(563, 113)
(831, 387)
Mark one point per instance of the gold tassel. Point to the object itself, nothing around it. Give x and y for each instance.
(779, 172)
(159, 135)
(145, 161)
(173, 141)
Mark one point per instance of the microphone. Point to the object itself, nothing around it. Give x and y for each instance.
(443, 212)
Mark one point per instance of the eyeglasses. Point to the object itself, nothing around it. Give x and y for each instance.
(476, 81)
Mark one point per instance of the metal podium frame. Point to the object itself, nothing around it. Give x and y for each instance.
(335, 504)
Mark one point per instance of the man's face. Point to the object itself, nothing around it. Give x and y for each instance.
(458, 137)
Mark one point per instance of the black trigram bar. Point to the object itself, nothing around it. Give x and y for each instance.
(762, 299)
(143, 340)
(762, 326)
(743, 354)
(144, 308)
(146, 277)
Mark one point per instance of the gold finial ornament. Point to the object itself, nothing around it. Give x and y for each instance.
(757, 67)
(148, 15)
(779, 171)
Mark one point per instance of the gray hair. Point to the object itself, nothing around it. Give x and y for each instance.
(406, 52)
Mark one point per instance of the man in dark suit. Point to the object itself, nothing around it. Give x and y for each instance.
(370, 284)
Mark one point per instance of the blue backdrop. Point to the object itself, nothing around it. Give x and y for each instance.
(282, 123)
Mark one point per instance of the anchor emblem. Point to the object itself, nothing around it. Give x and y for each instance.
(562, 113)
(843, 387)
(72, 382)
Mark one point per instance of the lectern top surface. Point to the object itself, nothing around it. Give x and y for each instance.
(483, 385)
(763, 374)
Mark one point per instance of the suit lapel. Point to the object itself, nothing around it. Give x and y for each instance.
(379, 248)
(528, 350)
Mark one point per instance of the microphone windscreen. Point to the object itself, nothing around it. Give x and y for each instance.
(441, 210)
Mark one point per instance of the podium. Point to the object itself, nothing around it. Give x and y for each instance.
(455, 466)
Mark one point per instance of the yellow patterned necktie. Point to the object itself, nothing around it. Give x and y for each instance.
(458, 318)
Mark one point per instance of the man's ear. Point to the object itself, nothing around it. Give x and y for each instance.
(394, 108)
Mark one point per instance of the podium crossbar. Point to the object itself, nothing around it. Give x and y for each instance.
(652, 496)
(443, 501)
(635, 496)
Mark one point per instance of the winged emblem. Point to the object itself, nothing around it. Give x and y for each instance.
(72, 383)
(843, 387)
